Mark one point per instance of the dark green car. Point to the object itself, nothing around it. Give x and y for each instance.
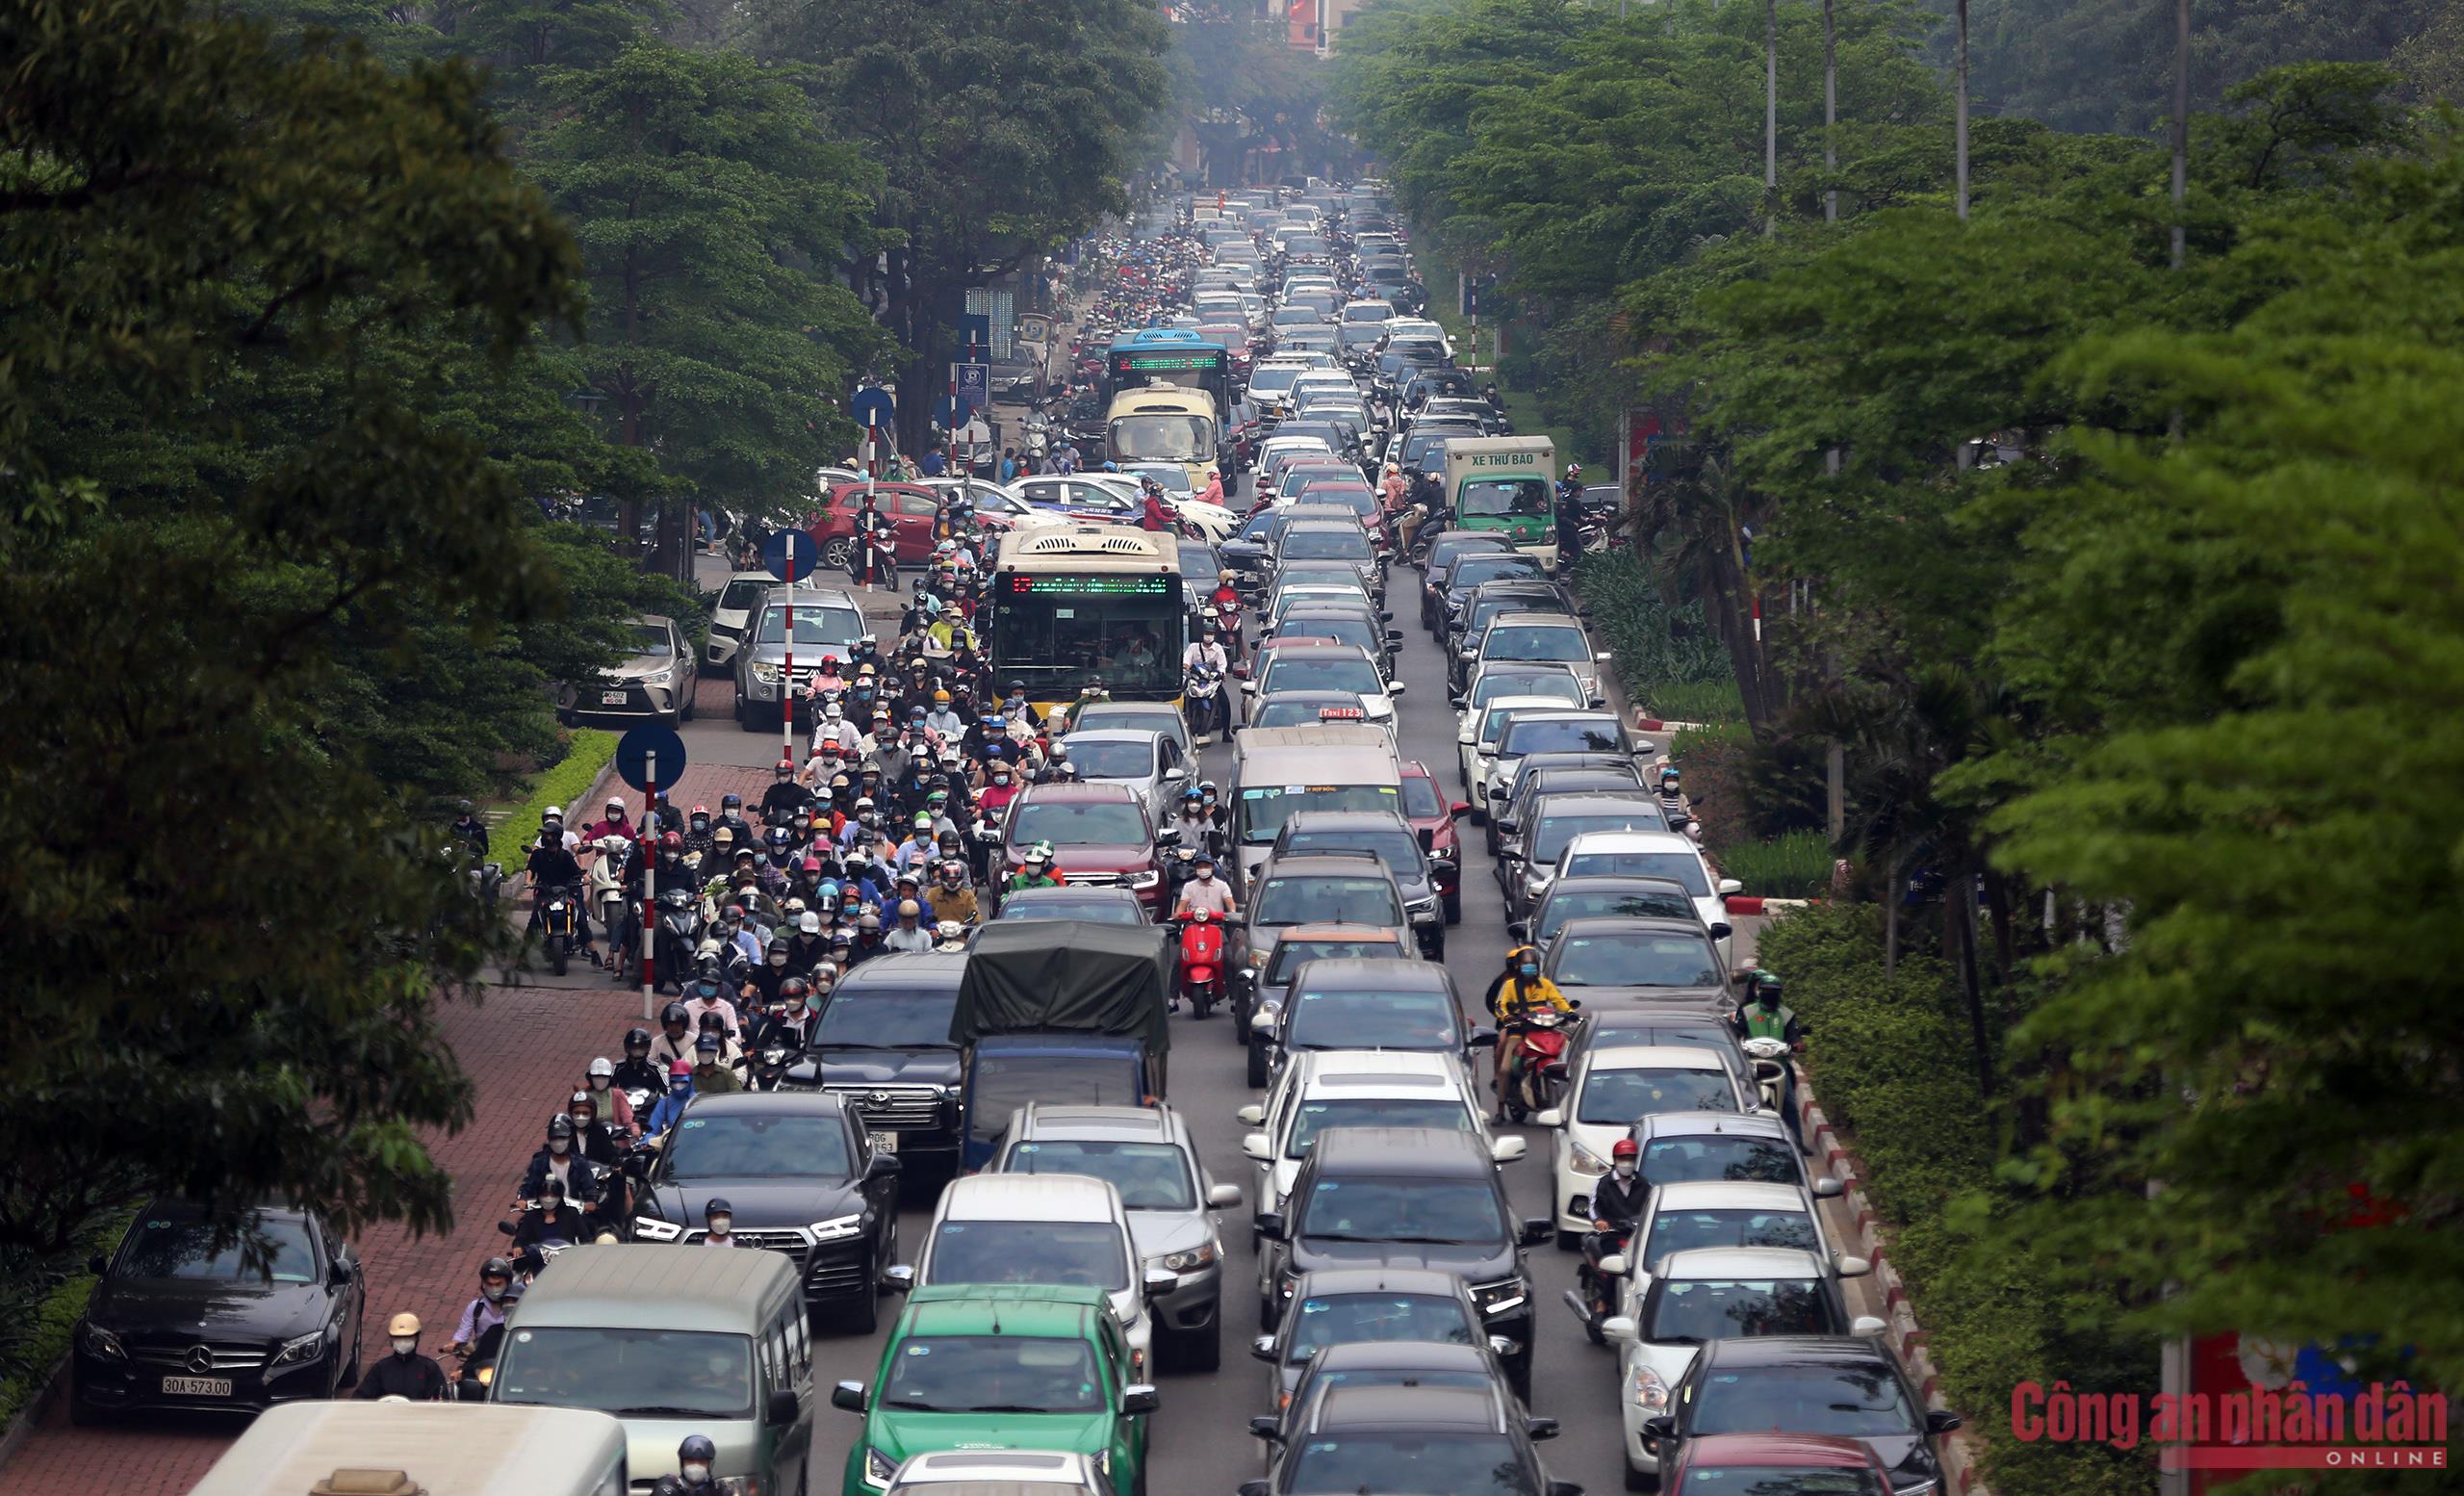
(980, 1366)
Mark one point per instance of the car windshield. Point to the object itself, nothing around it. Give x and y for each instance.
(1162, 438)
(1536, 641)
(1561, 734)
(994, 1374)
(1265, 807)
(816, 623)
(1072, 1253)
(1444, 1112)
(1549, 837)
(1711, 1156)
(1580, 903)
(1328, 543)
(1613, 1099)
(627, 1373)
(1418, 1209)
(1495, 722)
(1345, 672)
(1360, 501)
(1298, 899)
(1490, 566)
(1699, 1311)
(1413, 1464)
(1682, 1230)
(267, 1250)
(1345, 1018)
(757, 1144)
(1043, 904)
(643, 640)
(1349, 1319)
(1149, 1175)
(1683, 868)
(1493, 497)
(1341, 628)
(1495, 683)
(1290, 954)
(877, 1015)
(1274, 378)
(1391, 845)
(1078, 823)
(743, 593)
(1852, 1402)
(1112, 757)
(1633, 959)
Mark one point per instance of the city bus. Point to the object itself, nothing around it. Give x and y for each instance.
(1167, 423)
(1169, 355)
(1077, 604)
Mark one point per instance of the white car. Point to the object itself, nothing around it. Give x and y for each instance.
(1060, 1229)
(1690, 1213)
(1328, 667)
(1718, 1292)
(1476, 740)
(1518, 678)
(1358, 1088)
(733, 614)
(1652, 853)
(1607, 1090)
(1551, 639)
(1398, 328)
(1148, 763)
(1546, 731)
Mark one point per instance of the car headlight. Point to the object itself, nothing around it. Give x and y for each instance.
(877, 1467)
(1420, 906)
(1584, 1161)
(1104, 1460)
(1146, 880)
(839, 1228)
(101, 1342)
(1189, 1261)
(1651, 1394)
(300, 1350)
(651, 1229)
(1258, 960)
(1501, 1297)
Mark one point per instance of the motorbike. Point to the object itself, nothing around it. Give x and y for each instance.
(560, 919)
(680, 936)
(486, 880)
(1537, 1045)
(475, 1368)
(1202, 941)
(1201, 703)
(1594, 1296)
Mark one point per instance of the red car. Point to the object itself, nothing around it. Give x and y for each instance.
(1100, 836)
(1236, 340)
(1432, 817)
(1731, 1463)
(911, 506)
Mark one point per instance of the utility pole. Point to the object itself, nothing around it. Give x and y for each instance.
(1830, 114)
(1963, 112)
(2181, 123)
(1770, 118)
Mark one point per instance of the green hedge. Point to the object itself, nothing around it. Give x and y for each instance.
(1889, 1062)
(587, 751)
(40, 1305)
(1796, 865)
(1659, 651)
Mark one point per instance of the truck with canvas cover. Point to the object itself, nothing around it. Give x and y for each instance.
(1059, 1010)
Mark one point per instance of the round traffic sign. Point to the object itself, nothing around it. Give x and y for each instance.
(650, 747)
(791, 555)
(945, 410)
(874, 407)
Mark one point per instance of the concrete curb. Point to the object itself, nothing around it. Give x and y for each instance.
(1756, 904)
(1651, 724)
(1907, 1336)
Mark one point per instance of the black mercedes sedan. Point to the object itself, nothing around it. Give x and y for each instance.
(187, 1315)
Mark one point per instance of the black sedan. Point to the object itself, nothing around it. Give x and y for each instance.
(188, 1314)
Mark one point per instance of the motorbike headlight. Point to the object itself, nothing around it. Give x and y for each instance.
(877, 1467)
(1651, 1394)
(102, 1343)
(1146, 880)
(738, 1486)
(838, 1229)
(299, 1350)
(649, 1229)
(1584, 1161)
(1189, 1261)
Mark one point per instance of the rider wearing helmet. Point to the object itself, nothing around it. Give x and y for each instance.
(1570, 515)
(1618, 1200)
(720, 1216)
(1035, 870)
(560, 1161)
(1518, 992)
(1764, 1015)
(693, 1456)
(674, 1041)
(638, 1071)
(1206, 891)
(953, 897)
(487, 1311)
(404, 1374)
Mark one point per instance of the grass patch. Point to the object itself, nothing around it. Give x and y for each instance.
(40, 1310)
(1795, 865)
(587, 751)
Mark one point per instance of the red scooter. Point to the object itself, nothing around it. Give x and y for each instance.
(1532, 1049)
(1202, 939)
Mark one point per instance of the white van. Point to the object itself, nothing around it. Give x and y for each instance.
(443, 1449)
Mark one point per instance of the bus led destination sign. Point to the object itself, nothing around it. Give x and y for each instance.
(1156, 586)
(1137, 362)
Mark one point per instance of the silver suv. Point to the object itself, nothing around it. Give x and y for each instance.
(829, 621)
(1144, 1152)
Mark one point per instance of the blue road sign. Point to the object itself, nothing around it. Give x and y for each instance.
(975, 387)
(635, 750)
(874, 407)
(790, 553)
(945, 410)
(975, 332)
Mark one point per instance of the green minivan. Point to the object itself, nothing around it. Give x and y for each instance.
(983, 1366)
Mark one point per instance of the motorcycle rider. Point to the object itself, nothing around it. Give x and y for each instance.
(553, 1220)
(1204, 890)
(638, 1071)
(671, 1102)
(1206, 653)
(707, 996)
(1570, 516)
(612, 823)
(720, 1216)
(600, 1080)
(694, 1456)
(785, 794)
(909, 935)
(485, 1312)
(1518, 991)
(559, 1161)
(1764, 1015)
(471, 834)
(711, 1073)
(404, 1374)
(551, 867)
(953, 897)
(1618, 1200)
(732, 818)
(1195, 828)
(1035, 870)
(674, 1041)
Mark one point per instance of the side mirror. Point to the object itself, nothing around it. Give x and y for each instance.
(343, 1273)
(1828, 1188)
(849, 1395)
(1508, 1151)
(1262, 1348)
(1537, 1429)
(1867, 1325)
(1604, 656)
(1536, 1230)
(898, 1277)
(1519, 929)
(1619, 1329)
(1939, 1422)
(1173, 776)
(885, 1165)
(1507, 828)
(1613, 1265)
(1394, 636)
(1397, 690)
(1264, 1426)
(1459, 808)
(1549, 1117)
(1159, 1281)
(1662, 1427)
(1253, 1114)
(1483, 1038)
(1563, 1488)
(1222, 1196)
(781, 1409)
(1271, 1226)
(1140, 1396)
(1721, 930)
(1852, 1267)
(1728, 886)
(1258, 1146)
(1467, 653)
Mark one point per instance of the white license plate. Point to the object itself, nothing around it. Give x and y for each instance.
(197, 1386)
(612, 698)
(885, 1142)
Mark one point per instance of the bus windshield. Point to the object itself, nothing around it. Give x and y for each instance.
(1162, 438)
(1057, 640)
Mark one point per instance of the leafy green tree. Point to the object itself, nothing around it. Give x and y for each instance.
(711, 209)
(236, 936)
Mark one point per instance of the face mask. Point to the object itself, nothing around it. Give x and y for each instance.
(1625, 1171)
(679, 1085)
(601, 1082)
(493, 1291)
(405, 1345)
(779, 958)
(796, 1004)
(696, 1473)
(1530, 970)
(708, 992)
(719, 1224)
(559, 1145)
(1206, 875)
(582, 1122)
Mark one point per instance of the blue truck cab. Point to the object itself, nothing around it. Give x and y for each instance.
(1005, 1071)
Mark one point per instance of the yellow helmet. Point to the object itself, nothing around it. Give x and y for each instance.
(403, 1323)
